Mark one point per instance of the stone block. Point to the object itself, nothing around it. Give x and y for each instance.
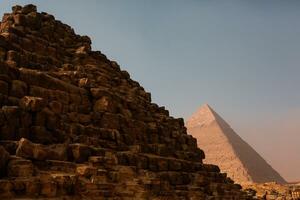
(28, 9)
(56, 107)
(86, 171)
(9, 145)
(80, 152)
(29, 150)
(3, 87)
(4, 156)
(111, 121)
(48, 188)
(18, 167)
(33, 104)
(18, 88)
(6, 189)
(40, 134)
(105, 103)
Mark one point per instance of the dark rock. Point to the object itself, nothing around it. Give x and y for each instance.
(4, 156)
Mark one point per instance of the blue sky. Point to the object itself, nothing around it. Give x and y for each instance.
(240, 56)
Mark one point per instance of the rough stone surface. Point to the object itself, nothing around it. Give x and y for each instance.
(223, 147)
(275, 191)
(4, 156)
(82, 129)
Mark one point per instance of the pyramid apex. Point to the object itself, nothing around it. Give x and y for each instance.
(204, 115)
(205, 106)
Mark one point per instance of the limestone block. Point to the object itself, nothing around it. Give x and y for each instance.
(40, 134)
(29, 150)
(6, 189)
(4, 156)
(80, 152)
(105, 103)
(48, 188)
(33, 104)
(56, 107)
(18, 88)
(20, 19)
(86, 171)
(18, 167)
(100, 92)
(3, 87)
(28, 9)
(111, 121)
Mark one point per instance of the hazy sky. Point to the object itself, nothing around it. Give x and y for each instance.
(240, 56)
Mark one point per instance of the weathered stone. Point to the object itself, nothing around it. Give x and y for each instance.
(13, 56)
(105, 103)
(2, 50)
(20, 19)
(83, 50)
(111, 121)
(10, 146)
(41, 134)
(80, 153)
(4, 156)
(19, 168)
(11, 122)
(18, 88)
(84, 82)
(6, 189)
(48, 187)
(100, 92)
(28, 8)
(86, 171)
(33, 104)
(56, 107)
(3, 87)
(29, 150)
(16, 8)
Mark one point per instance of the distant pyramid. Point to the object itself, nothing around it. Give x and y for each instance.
(223, 147)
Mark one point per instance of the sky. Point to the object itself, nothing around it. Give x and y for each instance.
(239, 56)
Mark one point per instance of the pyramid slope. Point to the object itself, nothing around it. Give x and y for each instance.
(222, 146)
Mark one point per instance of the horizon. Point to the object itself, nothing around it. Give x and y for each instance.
(239, 57)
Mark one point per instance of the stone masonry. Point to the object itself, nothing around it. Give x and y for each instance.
(73, 125)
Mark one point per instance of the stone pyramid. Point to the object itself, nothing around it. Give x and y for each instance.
(73, 125)
(223, 147)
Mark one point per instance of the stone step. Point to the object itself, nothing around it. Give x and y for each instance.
(47, 185)
(101, 133)
(98, 194)
(55, 165)
(166, 150)
(95, 141)
(157, 163)
(109, 160)
(19, 167)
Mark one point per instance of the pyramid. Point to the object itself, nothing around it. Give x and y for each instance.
(223, 147)
(73, 125)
